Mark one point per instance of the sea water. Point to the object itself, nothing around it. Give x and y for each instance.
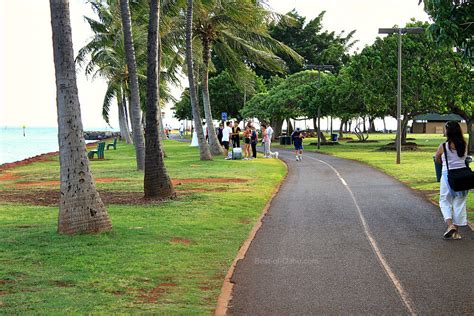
(18, 143)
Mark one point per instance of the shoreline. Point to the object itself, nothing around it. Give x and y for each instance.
(38, 158)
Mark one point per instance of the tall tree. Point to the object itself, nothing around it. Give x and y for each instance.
(107, 59)
(157, 183)
(80, 208)
(205, 153)
(236, 32)
(135, 111)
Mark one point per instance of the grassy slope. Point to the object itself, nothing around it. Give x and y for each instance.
(416, 168)
(136, 267)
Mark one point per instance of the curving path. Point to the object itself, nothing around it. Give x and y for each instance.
(343, 238)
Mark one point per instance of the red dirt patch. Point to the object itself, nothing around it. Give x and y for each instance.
(8, 177)
(57, 183)
(178, 240)
(51, 197)
(152, 296)
(208, 180)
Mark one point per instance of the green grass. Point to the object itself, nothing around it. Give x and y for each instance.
(416, 168)
(136, 267)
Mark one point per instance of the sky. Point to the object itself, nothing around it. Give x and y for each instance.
(27, 82)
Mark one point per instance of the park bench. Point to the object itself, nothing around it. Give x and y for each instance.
(99, 151)
(114, 144)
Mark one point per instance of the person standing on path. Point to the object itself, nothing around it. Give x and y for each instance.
(297, 138)
(219, 133)
(181, 130)
(236, 135)
(266, 142)
(247, 135)
(452, 203)
(254, 141)
(226, 138)
(270, 137)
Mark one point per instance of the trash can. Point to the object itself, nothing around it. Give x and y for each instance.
(285, 140)
(438, 169)
(334, 137)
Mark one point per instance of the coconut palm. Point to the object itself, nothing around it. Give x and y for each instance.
(236, 31)
(80, 208)
(205, 154)
(107, 59)
(157, 183)
(135, 112)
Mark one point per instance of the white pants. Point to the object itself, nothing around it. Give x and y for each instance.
(452, 207)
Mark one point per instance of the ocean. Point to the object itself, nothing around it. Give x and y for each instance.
(15, 146)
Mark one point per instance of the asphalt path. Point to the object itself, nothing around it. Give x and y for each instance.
(343, 238)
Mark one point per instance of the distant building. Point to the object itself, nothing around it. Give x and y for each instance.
(433, 123)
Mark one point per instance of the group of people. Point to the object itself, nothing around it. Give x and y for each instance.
(232, 132)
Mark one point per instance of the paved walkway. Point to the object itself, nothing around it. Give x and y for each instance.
(343, 238)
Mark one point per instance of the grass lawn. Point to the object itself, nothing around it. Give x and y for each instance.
(416, 168)
(159, 258)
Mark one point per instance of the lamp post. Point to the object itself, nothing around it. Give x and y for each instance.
(400, 31)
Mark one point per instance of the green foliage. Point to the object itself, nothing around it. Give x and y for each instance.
(225, 95)
(453, 24)
(310, 41)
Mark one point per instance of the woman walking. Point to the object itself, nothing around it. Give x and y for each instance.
(452, 154)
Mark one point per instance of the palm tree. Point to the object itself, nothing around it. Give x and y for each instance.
(157, 183)
(205, 154)
(135, 112)
(107, 59)
(80, 208)
(236, 32)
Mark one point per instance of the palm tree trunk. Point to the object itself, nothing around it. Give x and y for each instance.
(215, 146)
(124, 132)
(157, 183)
(135, 111)
(205, 154)
(80, 208)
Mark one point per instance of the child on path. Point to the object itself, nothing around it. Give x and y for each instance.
(452, 203)
(297, 138)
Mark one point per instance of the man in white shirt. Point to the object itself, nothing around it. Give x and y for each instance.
(226, 138)
(270, 136)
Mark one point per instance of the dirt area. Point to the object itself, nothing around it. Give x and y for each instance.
(7, 176)
(152, 296)
(22, 184)
(178, 240)
(51, 197)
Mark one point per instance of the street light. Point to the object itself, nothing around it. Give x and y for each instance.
(319, 68)
(400, 31)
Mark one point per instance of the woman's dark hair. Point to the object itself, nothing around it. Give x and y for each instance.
(264, 126)
(455, 136)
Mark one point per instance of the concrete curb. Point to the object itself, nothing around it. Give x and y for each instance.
(227, 287)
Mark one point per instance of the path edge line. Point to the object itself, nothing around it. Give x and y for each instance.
(227, 288)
